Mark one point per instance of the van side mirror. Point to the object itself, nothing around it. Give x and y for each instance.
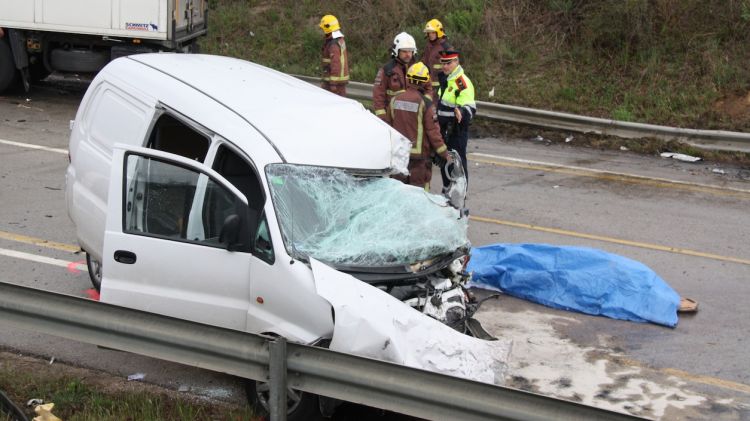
(230, 231)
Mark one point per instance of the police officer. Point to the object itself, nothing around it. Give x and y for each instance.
(456, 108)
(411, 112)
(437, 41)
(335, 57)
(391, 78)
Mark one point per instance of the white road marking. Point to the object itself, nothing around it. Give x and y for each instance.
(42, 259)
(31, 146)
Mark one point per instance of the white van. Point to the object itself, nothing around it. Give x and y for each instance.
(201, 185)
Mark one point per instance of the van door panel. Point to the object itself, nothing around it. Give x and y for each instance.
(153, 259)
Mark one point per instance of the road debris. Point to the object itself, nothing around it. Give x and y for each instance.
(624, 148)
(569, 139)
(136, 377)
(718, 171)
(680, 157)
(44, 413)
(34, 402)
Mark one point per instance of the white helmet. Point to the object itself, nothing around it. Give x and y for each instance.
(403, 41)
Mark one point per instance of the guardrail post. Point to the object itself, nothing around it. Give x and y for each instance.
(277, 382)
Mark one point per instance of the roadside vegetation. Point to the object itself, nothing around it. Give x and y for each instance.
(674, 62)
(80, 394)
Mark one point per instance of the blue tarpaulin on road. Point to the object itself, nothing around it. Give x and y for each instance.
(576, 278)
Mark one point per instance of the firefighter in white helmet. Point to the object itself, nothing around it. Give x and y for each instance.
(391, 78)
(335, 64)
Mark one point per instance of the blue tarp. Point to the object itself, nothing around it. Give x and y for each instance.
(576, 278)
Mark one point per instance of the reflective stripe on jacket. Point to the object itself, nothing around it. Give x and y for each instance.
(457, 91)
(412, 114)
(335, 61)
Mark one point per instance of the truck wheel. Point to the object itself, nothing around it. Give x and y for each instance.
(8, 72)
(95, 272)
(301, 406)
(78, 60)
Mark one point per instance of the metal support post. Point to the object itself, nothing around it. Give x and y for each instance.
(277, 383)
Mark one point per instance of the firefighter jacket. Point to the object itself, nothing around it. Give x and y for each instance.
(431, 58)
(335, 61)
(389, 82)
(411, 113)
(456, 91)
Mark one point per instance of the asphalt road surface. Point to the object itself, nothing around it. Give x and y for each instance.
(688, 222)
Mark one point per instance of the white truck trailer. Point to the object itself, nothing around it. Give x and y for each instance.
(38, 37)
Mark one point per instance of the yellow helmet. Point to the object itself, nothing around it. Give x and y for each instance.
(418, 73)
(435, 26)
(329, 23)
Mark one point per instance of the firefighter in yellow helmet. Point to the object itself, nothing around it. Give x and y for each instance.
(335, 57)
(437, 41)
(412, 113)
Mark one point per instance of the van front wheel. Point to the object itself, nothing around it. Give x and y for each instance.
(301, 406)
(95, 272)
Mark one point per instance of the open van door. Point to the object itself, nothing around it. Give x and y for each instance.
(177, 239)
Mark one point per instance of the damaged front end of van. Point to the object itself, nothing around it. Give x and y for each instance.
(396, 237)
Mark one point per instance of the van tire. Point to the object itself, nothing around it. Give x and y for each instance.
(95, 272)
(8, 72)
(78, 60)
(305, 408)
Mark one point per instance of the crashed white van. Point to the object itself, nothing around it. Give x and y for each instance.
(201, 187)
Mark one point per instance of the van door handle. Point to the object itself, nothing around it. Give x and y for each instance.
(124, 256)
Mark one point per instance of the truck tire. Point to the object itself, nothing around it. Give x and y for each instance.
(8, 71)
(78, 60)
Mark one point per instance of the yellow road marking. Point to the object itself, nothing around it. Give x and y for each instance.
(697, 378)
(611, 240)
(38, 242)
(612, 176)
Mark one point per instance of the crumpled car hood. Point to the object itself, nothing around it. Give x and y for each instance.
(372, 323)
(342, 219)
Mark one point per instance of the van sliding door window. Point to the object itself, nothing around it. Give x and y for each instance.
(171, 135)
(166, 200)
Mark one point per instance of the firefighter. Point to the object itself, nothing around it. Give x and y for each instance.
(335, 57)
(437, 41)
(456, 108)
(411, 112)
(391, 78)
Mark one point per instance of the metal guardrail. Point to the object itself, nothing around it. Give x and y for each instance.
(317, 370)
(576, 123)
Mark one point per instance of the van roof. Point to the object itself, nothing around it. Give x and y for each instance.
(306, 124)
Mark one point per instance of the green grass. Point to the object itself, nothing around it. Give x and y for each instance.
(83, 396)
(661, 61)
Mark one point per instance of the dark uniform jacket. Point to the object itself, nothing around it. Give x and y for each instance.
(389, 82)
(412, 114)
(431, 58)
(335, 61)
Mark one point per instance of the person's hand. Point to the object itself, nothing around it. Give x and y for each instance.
(457, 112)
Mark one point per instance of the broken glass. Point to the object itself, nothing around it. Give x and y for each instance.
(340, 218)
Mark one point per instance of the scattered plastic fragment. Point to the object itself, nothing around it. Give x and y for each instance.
(555, 187)
(44, 413)
(136, 377)
(52, 360)
(183, 388)
(491, 93)
(718, 171)
(624, 148)
(539, 138)
(569, 139)
(680, 157)
(34, 402)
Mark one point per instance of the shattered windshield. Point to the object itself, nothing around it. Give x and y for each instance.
(343, 219)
